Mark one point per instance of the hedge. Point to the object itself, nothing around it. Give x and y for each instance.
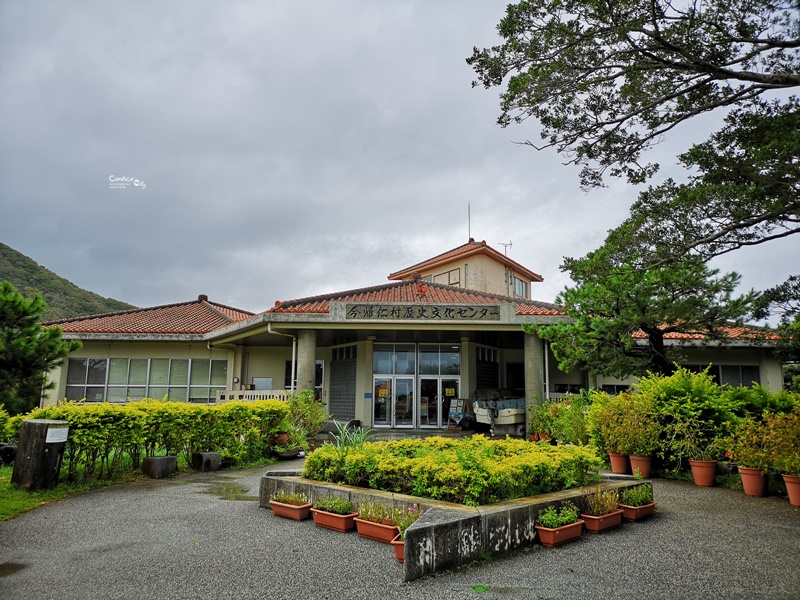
(471, 471)
(105, 438)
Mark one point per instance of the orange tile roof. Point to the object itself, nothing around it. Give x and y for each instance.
(413, 291)
(745, 332)
(471, 247)
(194, 317)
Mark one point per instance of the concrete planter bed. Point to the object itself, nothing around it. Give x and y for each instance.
(448, 535)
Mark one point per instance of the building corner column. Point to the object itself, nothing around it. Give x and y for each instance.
(306, 359)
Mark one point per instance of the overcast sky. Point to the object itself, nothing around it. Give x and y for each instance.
(281, 149)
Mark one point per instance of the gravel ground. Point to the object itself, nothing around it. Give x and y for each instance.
(204, 536)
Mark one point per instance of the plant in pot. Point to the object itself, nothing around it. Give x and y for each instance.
(783, 442)
(748, 445)
(636, 502)
(606, 431)
(558, 526)
(698, 441)
(377, 522)
(296, 442)
(641, 429)
(601, 509)
(290, 505)
(334, 513)
(405, 516)
(541, 421)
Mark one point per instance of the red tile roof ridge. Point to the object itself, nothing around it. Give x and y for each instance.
(470, 247)
(287, 305)
(131, 311)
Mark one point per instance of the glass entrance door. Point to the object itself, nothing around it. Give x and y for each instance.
(393, 402)
(435, 396)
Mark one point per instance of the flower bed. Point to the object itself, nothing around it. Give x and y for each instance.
(472, 471)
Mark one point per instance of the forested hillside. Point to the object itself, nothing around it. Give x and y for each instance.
(64, 298)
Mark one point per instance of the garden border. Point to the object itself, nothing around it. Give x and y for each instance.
(448, 535)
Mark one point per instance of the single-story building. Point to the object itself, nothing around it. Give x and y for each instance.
(393, 355)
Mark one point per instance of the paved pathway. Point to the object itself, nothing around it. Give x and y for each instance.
(181, 538)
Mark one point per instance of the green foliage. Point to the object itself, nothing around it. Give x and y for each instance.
(600, 501)
(563, 420)
(4, 431)
(306, 413)
(553, 517)
(106, 438)
(782, 439)
(470, 471)
(295, 499)
(64, 299)
(406, 515)
(621, 316)
(636, 496)
(27, 350)
(376, 512)
(605, 80)
(332, 504)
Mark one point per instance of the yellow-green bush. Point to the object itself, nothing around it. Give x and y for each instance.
(470, 471)
(106, 438)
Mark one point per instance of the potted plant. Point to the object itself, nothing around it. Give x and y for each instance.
(540, 422)
(334, 513)
(290, 505)
(640, 431)
(405, 516)
(377, 522)
(783, 443)
(748, 446)
(604, 422)
(637, 502)
(697, 440)
(601, 509)
(558, 526)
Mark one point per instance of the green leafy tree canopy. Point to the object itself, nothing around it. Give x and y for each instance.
(27, 350)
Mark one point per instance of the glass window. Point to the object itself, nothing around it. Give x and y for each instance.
(198, 394)
(429, 360)
(219, 372)
(157, 392)
(159, 371)
(450, 360)
(750, 375)
(382, 359)
(520, 287)
(178, 394)
(117, 394)
(200, 368)
(137, 373)
(137, 393)
(96, 370)
(76, 371)
(179, 371)
(95, 394)
(75, 392)
(404, 359)
(118, 371)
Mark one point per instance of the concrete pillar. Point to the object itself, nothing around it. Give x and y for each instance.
(306, 359)
(534, 368)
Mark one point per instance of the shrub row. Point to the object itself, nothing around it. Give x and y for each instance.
(104, 438)
(471, 471)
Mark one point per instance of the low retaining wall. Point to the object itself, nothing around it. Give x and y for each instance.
(448, 535)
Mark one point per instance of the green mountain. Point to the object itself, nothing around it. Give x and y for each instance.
(64, 298)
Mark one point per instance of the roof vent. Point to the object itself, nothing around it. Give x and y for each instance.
(202, 298)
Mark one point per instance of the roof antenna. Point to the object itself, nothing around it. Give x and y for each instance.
(469, 223)
(506, 246)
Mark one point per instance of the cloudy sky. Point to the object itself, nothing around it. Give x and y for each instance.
(280, 149)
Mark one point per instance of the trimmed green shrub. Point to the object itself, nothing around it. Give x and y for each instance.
(470, 471)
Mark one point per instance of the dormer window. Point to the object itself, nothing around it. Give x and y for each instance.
(520, 287)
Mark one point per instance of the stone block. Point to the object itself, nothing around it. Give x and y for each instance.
(158, 467)
(206, 461)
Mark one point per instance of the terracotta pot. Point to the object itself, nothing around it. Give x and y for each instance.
(399, 548)
(619, 463)
(703, 472)
(754, 481)
(290, 511)
(641, 463)
(559, 535)
(282, 438)
(376, 531)
(636, 513)
(598, 524)
(333, 521)
(793, 489)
